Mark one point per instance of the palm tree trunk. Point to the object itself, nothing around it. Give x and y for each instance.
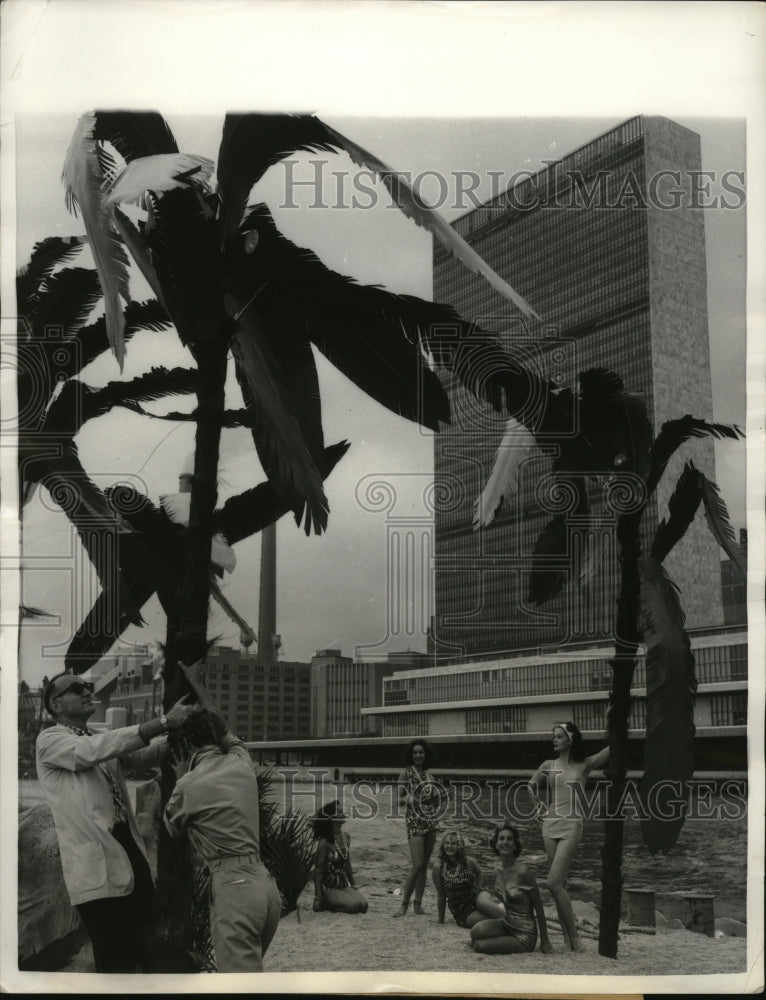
(623, 666)
(173, 900)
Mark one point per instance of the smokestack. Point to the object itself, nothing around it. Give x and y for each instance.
(267, 599)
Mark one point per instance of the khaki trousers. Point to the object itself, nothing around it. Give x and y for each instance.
(244, 914)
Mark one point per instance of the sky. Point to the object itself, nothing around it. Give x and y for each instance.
(332, 590)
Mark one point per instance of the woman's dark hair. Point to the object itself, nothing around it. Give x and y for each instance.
(430, 756)
(459, 853)
(516, 839)
(322, 822)
(576, 748)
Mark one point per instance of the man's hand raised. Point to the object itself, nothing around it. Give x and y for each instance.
(180, 712)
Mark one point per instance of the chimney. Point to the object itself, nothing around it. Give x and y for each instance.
(267, 599)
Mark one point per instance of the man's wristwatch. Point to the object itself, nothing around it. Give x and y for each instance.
(164, 723)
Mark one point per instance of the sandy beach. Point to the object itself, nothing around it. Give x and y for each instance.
(375, 942)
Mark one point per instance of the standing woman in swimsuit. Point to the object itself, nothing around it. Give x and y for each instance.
(514, 905)
(418, 791)
(562, 820)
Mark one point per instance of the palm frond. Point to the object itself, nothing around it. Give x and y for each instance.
(46, 255)
(717, 517)
(68, 300)
(674, 433)
(415, 208)
(34, 614)
(141, 254)
(551, 555)
(288, 850)
(225, 604)
(252, 143)
(92, 339)
(254, 509)
(682, 506)
(83, 178)
(181, 239)
(670, 690)
(371, 335)
(158, 174)
(134, 133)
(150, 559)
(614, 423)
(284, 445)
(503, 482)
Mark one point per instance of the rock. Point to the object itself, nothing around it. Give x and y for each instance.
(50, 930)
(730, 928)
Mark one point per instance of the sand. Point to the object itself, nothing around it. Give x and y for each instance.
(375, 941)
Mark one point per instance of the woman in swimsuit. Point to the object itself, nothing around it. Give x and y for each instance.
(334, 885)
(420, 793)
(457, 879)
(515, 904)
(562, 819)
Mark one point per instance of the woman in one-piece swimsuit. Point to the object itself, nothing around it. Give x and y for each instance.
(457, 879)
(562, 819)
(515, 904)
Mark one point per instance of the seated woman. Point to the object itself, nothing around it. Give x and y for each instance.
(514, 905)
(458, 880)
(334, 886)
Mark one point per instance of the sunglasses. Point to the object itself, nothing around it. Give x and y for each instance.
(76, 687)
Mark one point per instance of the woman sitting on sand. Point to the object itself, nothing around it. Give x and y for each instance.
(514, 904)
(334, 886)
(420, 792)
(562, 819)
(457, 879)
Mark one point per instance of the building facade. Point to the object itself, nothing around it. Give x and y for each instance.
(260, 701)
(613, 260)
(519, 698)
(341, 688)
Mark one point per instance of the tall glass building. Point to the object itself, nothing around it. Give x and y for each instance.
(608, 245)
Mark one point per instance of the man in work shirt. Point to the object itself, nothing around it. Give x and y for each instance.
(215, 801)
(103, 857)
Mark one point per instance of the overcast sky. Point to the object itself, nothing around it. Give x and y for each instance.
(332, 590)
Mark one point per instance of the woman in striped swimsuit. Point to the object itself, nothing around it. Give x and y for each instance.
(457, 879)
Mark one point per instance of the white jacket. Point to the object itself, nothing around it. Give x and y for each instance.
(80, 798)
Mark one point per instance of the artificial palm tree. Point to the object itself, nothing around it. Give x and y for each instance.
(230, 281)
(614, 439)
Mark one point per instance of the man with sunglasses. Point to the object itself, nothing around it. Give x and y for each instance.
(103, 857)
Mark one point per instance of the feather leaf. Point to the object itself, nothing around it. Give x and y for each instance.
(682, 506)
(252, 143)
(371, 335)
(226, 605)
(140, 253)
(134, 133)
(674, 433)
(415, 208)
(670, 690)
(83, 178)
(551, 555)
(503, 482)
(69, 298)
(46, 255)
(157, 174)
(717, 517)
